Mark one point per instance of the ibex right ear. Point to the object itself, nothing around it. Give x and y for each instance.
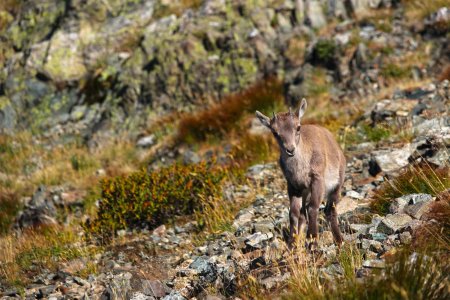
(263, 119)
(301, 110)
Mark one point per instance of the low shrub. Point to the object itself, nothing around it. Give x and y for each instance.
(415, 179)
(392, 70)
(324, 53)
(147, 199)
(376, 133)
(219, 119)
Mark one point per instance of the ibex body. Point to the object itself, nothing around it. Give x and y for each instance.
(313, 165)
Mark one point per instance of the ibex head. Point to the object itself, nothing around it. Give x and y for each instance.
(285, 128)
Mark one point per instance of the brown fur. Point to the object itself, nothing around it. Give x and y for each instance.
(313, 165)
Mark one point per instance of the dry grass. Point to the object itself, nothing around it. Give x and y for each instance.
(418, 9)
(308, 280)
(25, 255)
(9, 207)
(218, 120)
(445, 74)
(435, 235)
(26, 164)
(407, 276)
(11, 6)
(415, 179)
(176, 7)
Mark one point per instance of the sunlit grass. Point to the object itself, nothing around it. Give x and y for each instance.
(415, 179)
(44, 248)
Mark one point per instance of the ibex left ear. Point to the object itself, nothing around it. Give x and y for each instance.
(302, 108)
(263, 119)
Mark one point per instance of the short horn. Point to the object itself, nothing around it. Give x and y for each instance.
(274, 116)
(290, 111)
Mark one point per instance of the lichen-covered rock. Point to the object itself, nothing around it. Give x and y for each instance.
(393, 223)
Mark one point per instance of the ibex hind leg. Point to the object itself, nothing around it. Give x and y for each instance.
(331, 214)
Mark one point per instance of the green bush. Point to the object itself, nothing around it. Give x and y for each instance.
(392, 70)
(376, 133)
(325, 50)
(151, 198)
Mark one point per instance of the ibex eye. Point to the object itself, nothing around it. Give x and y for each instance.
(298, 128)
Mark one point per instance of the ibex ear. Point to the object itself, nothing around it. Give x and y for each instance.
(263, 119)
(301, 110)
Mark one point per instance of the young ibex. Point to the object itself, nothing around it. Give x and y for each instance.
(313, 165)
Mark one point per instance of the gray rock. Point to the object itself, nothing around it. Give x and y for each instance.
(174, 295)
(263, 227)
(153, 288)
(354, 195)
(418, 209)
(274, 281)
(392, 223)
(405, 237)
(437, 21)
(190, 157)
(376, 247)
(440, 158)
(205, 269)
(256, 240)
(374, 264)
(146, 141)
(46, 291)
(437, 126)
(7, 114)
(392, 160)
(359, 228)
(315, 15)
(140, 296)
(40, 210)
(376, 236)
(398, 204)
(81, 281)
(78, 113)
(243, 218)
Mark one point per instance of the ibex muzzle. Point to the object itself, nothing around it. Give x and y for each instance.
(313, 165)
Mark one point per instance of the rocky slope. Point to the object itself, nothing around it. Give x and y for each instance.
(75, 66)
(162, 264)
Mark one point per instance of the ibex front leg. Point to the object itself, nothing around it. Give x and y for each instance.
(313, 209)
(297, 219)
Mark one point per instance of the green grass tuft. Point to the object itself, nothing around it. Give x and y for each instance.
(395, 71)
(415, 179)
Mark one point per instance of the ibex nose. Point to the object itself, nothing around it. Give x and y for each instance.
(290, 151)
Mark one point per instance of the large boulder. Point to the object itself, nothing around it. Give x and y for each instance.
(41, 210)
